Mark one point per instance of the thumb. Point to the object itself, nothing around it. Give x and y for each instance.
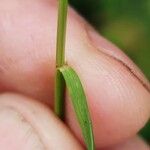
(28, 125)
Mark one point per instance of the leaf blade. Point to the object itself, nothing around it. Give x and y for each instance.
(78, 98)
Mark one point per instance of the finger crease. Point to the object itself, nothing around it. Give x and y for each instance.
(129, 70)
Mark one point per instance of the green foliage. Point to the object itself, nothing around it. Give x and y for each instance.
(79, 102)
(67, 77)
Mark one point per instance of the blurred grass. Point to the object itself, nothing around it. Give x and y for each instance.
(126, 23)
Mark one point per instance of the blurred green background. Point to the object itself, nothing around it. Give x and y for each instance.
(127, 24)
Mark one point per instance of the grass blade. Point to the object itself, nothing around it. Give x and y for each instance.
(66, 76)
(78, 98)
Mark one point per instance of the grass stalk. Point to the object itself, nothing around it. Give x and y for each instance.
(60, 57)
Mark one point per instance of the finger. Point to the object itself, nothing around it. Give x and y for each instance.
(117, 93)
(135, 143)
(28, 125)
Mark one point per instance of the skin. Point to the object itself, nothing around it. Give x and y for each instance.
(118, 94)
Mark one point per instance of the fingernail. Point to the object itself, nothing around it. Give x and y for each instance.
(16, 132)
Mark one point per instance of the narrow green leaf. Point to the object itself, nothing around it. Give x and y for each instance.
(67, 76)
(78, 98)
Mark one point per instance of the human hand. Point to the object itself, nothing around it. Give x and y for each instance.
(117, 92)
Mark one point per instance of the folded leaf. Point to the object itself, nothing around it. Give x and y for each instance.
(78, 98)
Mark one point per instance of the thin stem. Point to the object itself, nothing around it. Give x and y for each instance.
(61, 33)
(60, 58)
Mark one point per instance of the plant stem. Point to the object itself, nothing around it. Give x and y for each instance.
(60, 57)
(61, 33)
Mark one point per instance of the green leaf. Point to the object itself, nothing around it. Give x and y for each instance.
(78, 98)
(66, 76)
